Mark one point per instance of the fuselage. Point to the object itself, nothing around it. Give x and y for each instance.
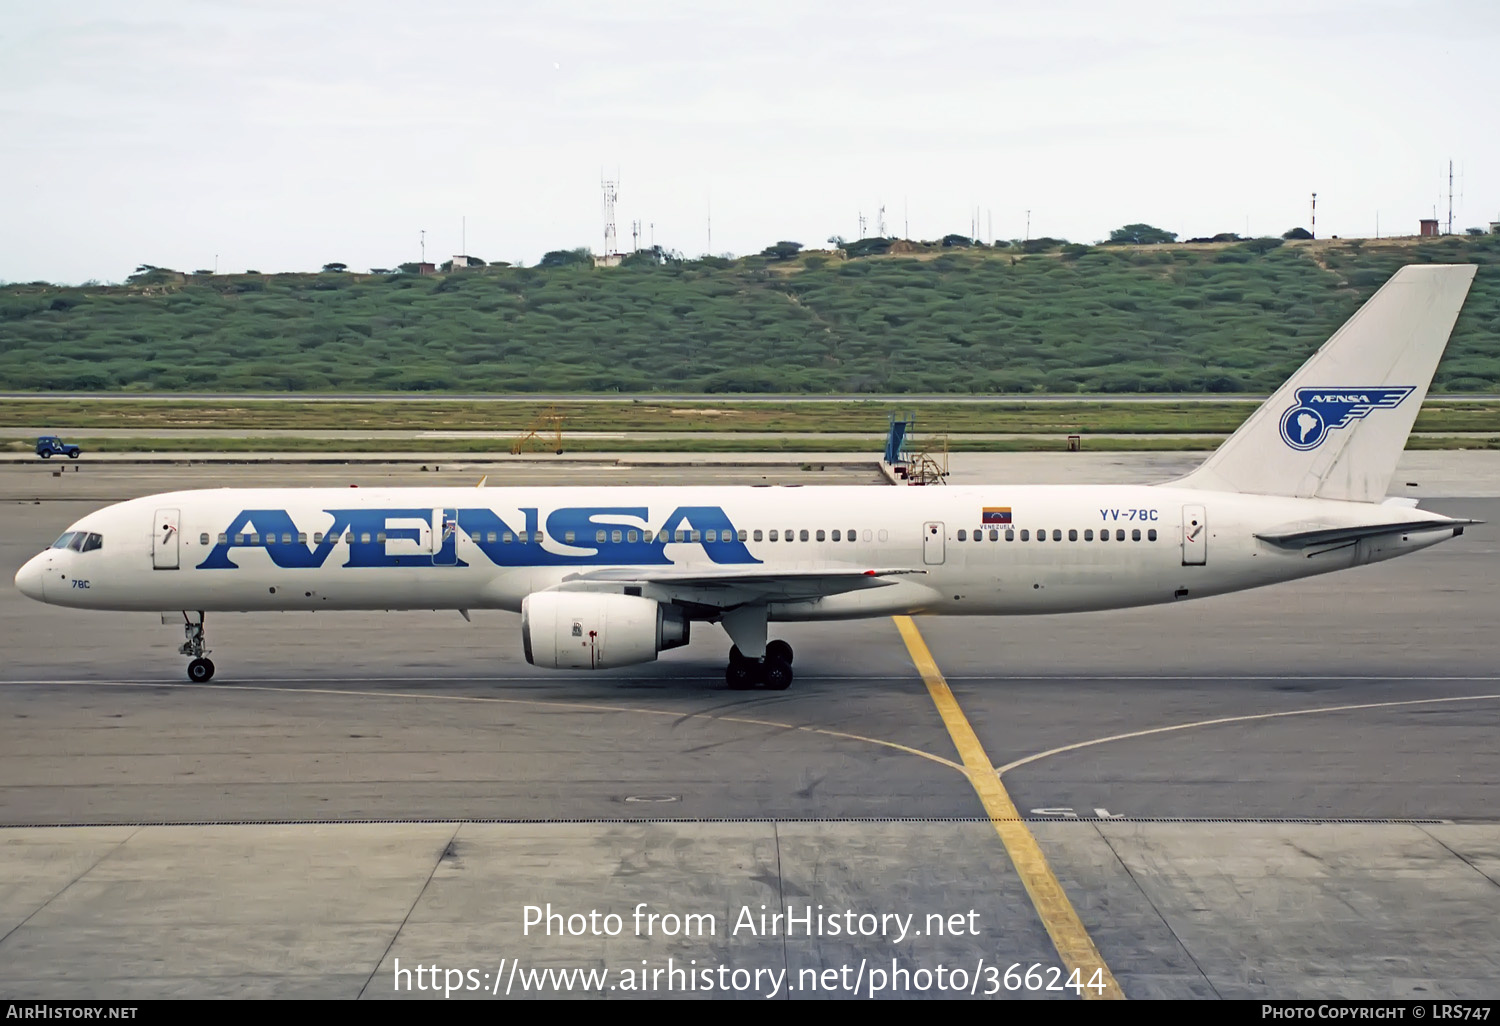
(995, 550)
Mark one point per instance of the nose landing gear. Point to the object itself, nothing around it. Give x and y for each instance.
(201, 669)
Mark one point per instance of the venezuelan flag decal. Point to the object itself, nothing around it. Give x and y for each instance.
(997, 515)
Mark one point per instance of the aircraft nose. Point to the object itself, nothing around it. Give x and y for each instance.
(29, 578)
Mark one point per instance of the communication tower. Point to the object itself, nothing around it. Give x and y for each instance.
(880, 223)
(611, 196)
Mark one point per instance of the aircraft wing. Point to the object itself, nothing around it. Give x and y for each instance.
(1300, 536)
(733, 587)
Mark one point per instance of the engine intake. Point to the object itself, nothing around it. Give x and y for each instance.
(594, 630)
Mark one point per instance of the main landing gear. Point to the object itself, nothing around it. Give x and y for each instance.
(774, 671)
(201, 669)
(746, 627)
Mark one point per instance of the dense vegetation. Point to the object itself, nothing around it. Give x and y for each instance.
(1233, 317)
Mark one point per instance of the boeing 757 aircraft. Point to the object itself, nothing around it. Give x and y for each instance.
(611, 576)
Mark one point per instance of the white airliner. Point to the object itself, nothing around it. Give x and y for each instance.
(610, 576)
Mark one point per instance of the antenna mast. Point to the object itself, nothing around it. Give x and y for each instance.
(1450, 199)
(1313, 228)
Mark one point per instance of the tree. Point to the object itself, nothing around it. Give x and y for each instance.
(782, 250)
(380, 270)
(1140, 235)
(335, 267)
(1261, 245)
(836, 241)
(567, 257)
(957, 240)
(867, 247)
(1297, 233)
(1473, 231)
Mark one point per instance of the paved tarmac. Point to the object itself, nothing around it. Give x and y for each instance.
(1306, 804)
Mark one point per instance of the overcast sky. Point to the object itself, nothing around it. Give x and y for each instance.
(282, 136)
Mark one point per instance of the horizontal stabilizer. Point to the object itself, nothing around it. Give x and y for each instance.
(1307, 539)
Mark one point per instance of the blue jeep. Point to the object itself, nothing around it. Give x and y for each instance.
(49, 444)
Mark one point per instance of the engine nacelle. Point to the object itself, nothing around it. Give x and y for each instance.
(593, 630)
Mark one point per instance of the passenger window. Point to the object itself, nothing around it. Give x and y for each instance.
(710, 536)
(617, 536)
(744, 535)
(978, 535)
(1088, 534)
(1072, 534)
(1151, 534)
(835, 535)
(773, 536)
(963, 535)
(364, 537)
(663, 536)
(286, 538)
(881, 535)
(317, 537)
(492, 537)
(203, 538)
(1025, 534)
(804, 534)
(1104, 535)
(757, 535)
(538, 536)
(994, 534)
(695, 536)
(1010, 534)
(852, 535)
(1041, 535)
(1120, 534)
(301, 537)
(789, 535)
(1135, 535)
(1057, 534)
(568, 537)
(223, 538)
(632, 536)
(239, 539)
(380, 537)
(599, 536)
(820, 535)
(506, 538)
(254, 537)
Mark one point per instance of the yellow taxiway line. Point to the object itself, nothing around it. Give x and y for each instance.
(1074, 946)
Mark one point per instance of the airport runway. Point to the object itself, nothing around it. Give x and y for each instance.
(1305, 804)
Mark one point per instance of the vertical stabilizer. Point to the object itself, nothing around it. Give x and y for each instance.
(1336, 429)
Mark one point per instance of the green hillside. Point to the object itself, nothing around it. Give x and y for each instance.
(1177, 318)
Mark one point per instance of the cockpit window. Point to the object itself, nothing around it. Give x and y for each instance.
(80, 541)
(62, 542)
(93, 542)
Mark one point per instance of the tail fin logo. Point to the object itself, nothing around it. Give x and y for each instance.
(1321, 410)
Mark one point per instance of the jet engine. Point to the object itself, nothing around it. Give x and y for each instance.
(593, 630)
